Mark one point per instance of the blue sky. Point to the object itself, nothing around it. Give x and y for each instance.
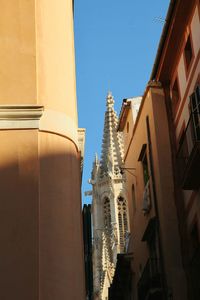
(115, 44)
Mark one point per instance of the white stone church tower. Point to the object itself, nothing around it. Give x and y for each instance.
(109, 204)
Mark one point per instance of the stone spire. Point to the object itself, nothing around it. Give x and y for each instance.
(112, 146)
(106, 191)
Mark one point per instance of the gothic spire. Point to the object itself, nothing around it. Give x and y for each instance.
(112, 147)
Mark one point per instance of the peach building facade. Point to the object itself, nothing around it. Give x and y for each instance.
(40, 168)
(157, 271)
(162, 152)
(177, 66)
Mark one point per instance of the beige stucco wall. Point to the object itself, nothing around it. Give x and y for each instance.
(61, 249)
(17, 52)
(19, 205)
(37, 55)
(40, 205)
(55, 57)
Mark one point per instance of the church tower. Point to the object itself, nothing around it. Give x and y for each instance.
(109, 205)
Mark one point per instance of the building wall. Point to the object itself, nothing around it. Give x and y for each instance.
(177, 211)
(19, 169)
(56, 86)
(153, 106)
(172, 65)
(187, 82)
(183, 22)
(17, 52)
(60, 227)
(40, 206)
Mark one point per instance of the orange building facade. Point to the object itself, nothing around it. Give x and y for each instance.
(178, 68)
(40, 168)
(162, 163)
(154, 242)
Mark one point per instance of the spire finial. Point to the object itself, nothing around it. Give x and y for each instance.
(96, 158)
(109, 100)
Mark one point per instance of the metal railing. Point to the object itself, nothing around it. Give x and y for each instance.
(188, 140)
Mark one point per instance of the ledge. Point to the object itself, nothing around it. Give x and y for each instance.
(36, 117)
(20, 116)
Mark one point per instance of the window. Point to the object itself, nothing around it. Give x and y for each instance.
(183, 148)
(195, 101)
(133, 197)
(143, 159)
(175, 92)
(188, 155)
(145, 169)
(123, 222)
(181, 134)
(175, 95)
(195, 110)
(107, 213)
(127, 127)
(188, 53)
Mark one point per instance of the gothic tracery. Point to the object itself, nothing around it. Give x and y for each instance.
(110, 219)
(123, 221)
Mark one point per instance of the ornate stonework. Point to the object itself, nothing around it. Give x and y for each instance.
(109, 204)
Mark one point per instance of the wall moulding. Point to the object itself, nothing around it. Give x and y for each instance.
(20, 116)
(37, 117)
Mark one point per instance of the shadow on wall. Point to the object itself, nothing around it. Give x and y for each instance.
(41, 229)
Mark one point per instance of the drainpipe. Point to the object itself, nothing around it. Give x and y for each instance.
(163, 274)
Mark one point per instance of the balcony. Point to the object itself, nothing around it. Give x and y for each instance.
(149, 285)
(189, 154)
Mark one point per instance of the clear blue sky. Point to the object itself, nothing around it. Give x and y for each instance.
(116, 43)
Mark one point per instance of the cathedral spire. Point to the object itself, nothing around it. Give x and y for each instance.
(108, 198)
(112, 147)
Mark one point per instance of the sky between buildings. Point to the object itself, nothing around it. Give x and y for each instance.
(116, 43)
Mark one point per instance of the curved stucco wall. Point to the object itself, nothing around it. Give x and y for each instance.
(56, 88)
(17, 52)
(37, 56)
(60, 227)
(40, 205)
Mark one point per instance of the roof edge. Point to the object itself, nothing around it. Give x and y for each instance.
(162, 39)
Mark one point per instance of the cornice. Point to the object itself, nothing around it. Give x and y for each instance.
(29, 116)
(20, 116)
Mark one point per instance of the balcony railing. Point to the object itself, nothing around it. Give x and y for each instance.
(149, 284)
(189, 154)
